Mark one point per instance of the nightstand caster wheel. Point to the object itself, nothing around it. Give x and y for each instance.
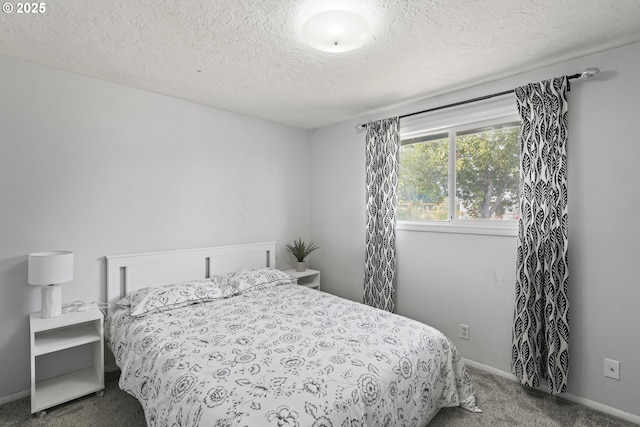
(100, 393)
(41, 414)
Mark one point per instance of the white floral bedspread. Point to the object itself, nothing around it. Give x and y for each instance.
(286, 356)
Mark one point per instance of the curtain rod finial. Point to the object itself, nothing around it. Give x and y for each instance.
(590, 72)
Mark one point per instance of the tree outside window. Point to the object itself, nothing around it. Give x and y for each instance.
(486, 177)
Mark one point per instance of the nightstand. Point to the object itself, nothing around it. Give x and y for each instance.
(56, 344)
(308, 278)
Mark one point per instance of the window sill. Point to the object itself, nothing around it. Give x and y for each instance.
(510, 230)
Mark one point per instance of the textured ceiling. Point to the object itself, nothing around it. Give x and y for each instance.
(249, 57)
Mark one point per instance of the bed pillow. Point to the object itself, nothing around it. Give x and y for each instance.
(252, 278)
(169, 297)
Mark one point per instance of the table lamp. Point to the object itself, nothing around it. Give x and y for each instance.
(49, 269)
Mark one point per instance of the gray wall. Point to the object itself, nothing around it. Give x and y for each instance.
(102, 169)
(448, 279)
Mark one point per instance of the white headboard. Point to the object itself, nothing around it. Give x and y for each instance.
(128, 273)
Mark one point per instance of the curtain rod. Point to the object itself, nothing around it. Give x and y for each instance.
(586, 74)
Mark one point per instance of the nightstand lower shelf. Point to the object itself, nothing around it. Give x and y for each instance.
(66, 387)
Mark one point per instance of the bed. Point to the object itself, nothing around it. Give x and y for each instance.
(218, 337)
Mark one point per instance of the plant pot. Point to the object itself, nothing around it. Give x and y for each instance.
(300, 266)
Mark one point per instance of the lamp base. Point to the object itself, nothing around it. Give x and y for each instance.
(51, 301)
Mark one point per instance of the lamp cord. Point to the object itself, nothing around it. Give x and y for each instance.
(81, 306)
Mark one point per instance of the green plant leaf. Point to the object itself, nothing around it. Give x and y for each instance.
(300, 250)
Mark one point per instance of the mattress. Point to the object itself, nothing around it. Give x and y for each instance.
(284, 355)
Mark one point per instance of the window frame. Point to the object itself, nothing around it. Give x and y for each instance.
(476, 116)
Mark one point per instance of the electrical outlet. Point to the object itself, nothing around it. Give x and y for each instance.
(612, 369)
(463, 332)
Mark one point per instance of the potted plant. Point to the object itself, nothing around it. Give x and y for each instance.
(300, 250)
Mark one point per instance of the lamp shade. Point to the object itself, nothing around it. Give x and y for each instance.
(47, 268)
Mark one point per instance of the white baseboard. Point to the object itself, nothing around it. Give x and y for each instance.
(15, 396)
(602, 408)
(577, 399)
(490, 369)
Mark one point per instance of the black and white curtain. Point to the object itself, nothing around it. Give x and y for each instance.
(541, 320)
(383, 157)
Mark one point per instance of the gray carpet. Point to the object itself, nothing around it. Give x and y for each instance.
(504, 403)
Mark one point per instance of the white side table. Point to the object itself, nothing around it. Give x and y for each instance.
(67, 331)
(308, 278)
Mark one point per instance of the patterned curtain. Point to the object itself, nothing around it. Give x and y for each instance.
(383, 157)
(541, 319)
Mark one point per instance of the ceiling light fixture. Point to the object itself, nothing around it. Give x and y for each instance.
(335, 31)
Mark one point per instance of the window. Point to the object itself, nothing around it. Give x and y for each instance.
(474, 150)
